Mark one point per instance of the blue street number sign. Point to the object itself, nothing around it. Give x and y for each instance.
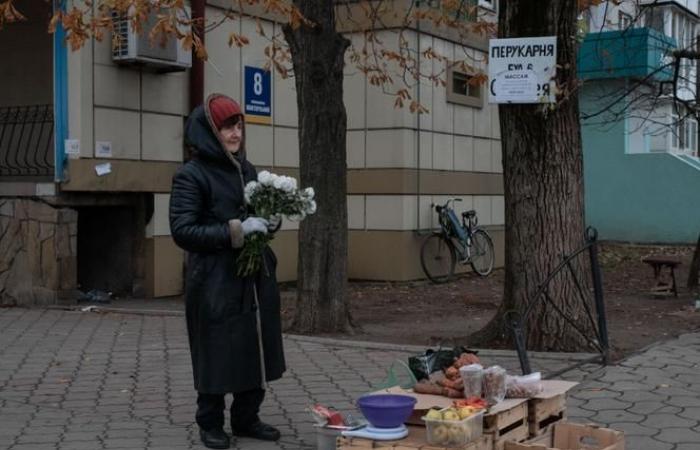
(257, 94)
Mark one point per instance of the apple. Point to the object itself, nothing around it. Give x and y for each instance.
(465, 412)
(440, 435)
(456, 434)
(434, 414)
(450, 414)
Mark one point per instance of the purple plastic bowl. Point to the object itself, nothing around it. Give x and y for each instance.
(386, 410)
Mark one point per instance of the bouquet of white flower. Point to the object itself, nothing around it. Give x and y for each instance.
(272, 195)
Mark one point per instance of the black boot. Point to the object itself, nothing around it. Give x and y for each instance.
(214, 438)
(259, 430)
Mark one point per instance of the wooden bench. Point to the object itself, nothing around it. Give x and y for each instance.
(658, 263)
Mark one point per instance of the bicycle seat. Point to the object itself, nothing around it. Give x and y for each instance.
(469, 214)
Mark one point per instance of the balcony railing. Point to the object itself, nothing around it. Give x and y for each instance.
(26, 141)
(635, 53)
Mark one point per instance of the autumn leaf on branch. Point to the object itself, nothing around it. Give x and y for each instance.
(9, 14)
(237, 40)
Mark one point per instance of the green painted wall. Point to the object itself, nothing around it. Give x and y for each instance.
(648, 197)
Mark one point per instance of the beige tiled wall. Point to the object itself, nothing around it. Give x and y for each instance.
(162, 137)
(286, 147)
(121, 128)
(464, 153)
(155, 89)
(391, 148)
(159, 224)
(116, 86)
(222, 72)
(259, 144)
(140, 112)
(410, 212)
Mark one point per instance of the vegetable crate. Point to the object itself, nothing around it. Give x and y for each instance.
(416, 440)
(544, 413)
(507, 421)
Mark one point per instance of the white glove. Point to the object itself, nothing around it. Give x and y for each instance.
(274, 222)
(254, 225)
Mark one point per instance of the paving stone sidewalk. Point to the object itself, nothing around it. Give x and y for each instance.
(84, 380)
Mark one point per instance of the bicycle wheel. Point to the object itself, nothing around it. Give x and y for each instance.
(437, 257)
(482, 253)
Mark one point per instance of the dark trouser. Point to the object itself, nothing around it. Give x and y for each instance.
(244, 409)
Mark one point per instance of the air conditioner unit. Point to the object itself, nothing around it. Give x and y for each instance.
(137, 49)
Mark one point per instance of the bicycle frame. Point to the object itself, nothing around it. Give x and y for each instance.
(468, 226)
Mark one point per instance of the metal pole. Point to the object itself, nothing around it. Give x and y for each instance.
(592, 236)
(522, 351)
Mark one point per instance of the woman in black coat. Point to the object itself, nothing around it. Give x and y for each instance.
(233, 322)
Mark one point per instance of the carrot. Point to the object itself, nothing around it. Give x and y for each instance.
(454, 393)
(452, 372)
(452, 384)
(424, 387)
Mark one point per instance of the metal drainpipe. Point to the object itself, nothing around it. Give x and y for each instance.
(197, 70)
(418, 146)
(60, 99)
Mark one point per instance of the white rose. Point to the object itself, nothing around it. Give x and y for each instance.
(266, 178)
(311, 208)
(250, 189)
(289, 184)
(309, 192)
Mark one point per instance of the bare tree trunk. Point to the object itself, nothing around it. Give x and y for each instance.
(318, 60)
(543, 176)
(694, 267)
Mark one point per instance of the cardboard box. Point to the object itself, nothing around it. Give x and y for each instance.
(571, 436)
(416, 440)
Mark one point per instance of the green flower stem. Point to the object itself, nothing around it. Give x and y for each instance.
(250, 259)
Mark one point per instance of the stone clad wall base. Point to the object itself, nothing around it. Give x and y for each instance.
(38, 257)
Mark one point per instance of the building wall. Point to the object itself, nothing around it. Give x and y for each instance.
(141, 113)
(635, 197)
(394, 157)
(38, 263)
(399, 162)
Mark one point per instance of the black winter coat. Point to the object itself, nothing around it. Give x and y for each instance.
(230, 335)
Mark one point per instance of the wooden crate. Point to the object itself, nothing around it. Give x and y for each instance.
(507, 421)
(415, 440)
(544, 413)
(572, 436)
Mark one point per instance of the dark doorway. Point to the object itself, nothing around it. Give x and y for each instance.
(105, 249)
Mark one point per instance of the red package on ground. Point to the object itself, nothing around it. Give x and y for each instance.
(331, 417)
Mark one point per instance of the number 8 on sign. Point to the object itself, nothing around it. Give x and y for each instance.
(257, 83)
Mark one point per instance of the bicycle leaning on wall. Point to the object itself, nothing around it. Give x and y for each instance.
(465, 240)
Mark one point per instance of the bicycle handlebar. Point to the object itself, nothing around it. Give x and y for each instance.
(438, 208)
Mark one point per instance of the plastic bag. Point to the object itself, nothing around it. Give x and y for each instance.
(472, 377)
(433, 360)
(494, 385)
(526, 386)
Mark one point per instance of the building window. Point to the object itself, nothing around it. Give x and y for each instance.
(684, 135)
(490, 4)
(465, 10)
(464, 89)
(624, 20)
(654, 19)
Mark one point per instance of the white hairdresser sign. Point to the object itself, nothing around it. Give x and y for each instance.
(522, 70)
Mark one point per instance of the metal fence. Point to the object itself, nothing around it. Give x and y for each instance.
(594, 331)
(26, 141)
